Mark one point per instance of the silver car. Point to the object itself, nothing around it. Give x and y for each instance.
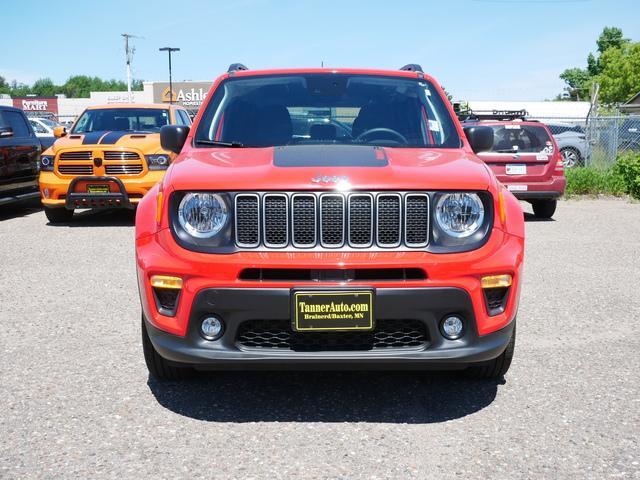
(572, 143)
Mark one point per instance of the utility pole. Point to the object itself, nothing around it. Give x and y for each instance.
(128, 52)
(169, 50)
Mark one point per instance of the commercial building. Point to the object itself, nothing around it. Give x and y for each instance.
(192, 94)
(189, 94)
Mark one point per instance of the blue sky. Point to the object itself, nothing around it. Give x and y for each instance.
(478, 49)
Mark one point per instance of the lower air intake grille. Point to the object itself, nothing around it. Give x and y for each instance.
(277, 334)
(496, 298)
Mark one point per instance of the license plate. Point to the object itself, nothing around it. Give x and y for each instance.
(97, 188)
(516, 169)
(337, 310)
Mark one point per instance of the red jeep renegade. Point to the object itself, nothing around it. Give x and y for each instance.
(524, 157)
(328, 219)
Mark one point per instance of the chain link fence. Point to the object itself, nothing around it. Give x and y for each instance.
(596, 141)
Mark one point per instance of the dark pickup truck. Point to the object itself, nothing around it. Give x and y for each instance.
(19, 156)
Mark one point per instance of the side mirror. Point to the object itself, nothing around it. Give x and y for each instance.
(59, 132)
(480, 138)
(172, 137)
(6, 132)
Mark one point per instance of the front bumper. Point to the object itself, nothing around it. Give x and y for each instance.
(54, 189)
(237, 305)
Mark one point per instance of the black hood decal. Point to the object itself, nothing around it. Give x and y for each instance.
(113, 137)
(103, 137)
(91, 138)
(329, 156)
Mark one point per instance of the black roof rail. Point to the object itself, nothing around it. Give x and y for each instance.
(412, 67)
(501, 115)
(234, 67)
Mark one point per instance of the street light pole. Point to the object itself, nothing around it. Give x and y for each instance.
(169, 50)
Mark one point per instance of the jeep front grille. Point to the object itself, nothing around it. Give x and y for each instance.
(332, 220)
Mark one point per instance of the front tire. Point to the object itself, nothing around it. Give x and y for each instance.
(58, 215)
(158, 367)
(544, 208)
(571, 157)
(498, 367)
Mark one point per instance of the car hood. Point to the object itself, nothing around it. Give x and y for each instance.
(146, 142)
(328, 168)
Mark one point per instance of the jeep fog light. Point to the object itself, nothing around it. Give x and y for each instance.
(452, 327)
(211, 328)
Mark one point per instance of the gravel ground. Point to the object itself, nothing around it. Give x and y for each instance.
(76, 401)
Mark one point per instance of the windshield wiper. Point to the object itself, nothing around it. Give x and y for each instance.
(217, 143)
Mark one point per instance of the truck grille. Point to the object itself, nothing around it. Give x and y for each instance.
(332, 220)
(277, 334)
(64, 156)
(133, 166)
(76, 169)
(121, 156)
(124, 169)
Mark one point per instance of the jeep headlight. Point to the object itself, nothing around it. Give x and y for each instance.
(203, 215)
(158, 162)
(459, 215)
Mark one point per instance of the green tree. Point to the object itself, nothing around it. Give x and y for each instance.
(19, 89)
(620, 73)
(610, 37)
(4, 86)
(44, 87)
(578, 82)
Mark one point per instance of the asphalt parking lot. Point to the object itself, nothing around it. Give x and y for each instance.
(76, 400)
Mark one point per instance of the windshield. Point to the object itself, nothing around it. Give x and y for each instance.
(514, 137)
(48, 123)
(301, 109)
(122, 119)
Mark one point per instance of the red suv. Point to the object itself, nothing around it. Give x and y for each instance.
(524, 157)
(328, 219)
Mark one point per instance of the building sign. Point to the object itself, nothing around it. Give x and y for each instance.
(190, 95)
(37, 105)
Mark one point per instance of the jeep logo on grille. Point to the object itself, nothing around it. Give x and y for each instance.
(330, 179)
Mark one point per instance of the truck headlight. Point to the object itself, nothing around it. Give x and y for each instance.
(157, 162)
(203, 215)
(459, 215)
(46, 163)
